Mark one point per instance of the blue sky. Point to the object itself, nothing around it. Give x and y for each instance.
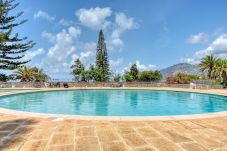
(152, 33)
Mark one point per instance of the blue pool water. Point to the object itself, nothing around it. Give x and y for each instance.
(115, 102)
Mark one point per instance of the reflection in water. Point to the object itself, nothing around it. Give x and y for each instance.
(115, 102)
(133, 99)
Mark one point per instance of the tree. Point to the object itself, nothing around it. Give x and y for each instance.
(208, 63)
(78, 70)
(12, 46)
(39, 74)
(25, 74)
(182, 78)
(149, 76)
(117, 78)
(134, 72)
(28, 74)
(219, 70)
(90, 73)
(102, 62)
(128, 77)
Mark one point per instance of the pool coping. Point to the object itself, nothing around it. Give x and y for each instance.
(115, 118)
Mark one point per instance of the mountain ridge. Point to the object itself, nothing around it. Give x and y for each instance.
(180, 67)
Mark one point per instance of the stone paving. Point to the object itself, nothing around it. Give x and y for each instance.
(42, 134)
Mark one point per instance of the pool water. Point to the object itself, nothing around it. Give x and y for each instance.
(115, 102)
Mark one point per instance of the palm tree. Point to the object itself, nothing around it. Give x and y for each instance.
(39, 74)
(26, 74)
(208, 63)
(220, 69)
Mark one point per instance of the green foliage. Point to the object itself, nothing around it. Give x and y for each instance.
(3, 78)
(39, 74)
(78, 70)
(134, 72)
(148, 76)
(117, 78)
(208, 63)
(182, 78)
(28, 74)
(12, 45)
(219, 70)
(128, 77)
(102, 63)
(90, 73)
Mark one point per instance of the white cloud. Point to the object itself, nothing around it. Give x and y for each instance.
(65, 22)
(218, 48)
(122, 24)
(49, 36)
(87, 55)
(116, 65)
(43, 15)
(94, 18)
(32, 54)
(75, 32)
(143, 67)
(199, 38)
(58, 55)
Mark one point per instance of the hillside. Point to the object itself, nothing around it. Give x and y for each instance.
(181, 67)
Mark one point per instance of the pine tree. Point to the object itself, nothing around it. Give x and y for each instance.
(102, 62)
(78, 70)
(12, 47)
(134, 72)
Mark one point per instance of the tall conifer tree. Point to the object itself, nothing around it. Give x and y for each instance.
(12, 46)
(102, 62)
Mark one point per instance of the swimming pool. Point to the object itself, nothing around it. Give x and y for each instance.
(115, 102)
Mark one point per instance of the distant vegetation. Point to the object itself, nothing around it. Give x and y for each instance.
(29, 74)
(182, 78)
(98, 72)
(215, 67)
(146, 76)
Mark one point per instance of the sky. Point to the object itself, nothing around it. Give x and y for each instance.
(154, 34)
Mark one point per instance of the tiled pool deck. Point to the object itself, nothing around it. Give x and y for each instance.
(36, 133)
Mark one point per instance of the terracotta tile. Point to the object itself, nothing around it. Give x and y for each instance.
(164, 145)
(213, 134)
(85, 131)
(147, 132)
(87, 143)
(12, 142)
(191, 146)
(107, 136)
(61, 148)
(41, 134)
(134, 140)
(62, 139)
(4, 134)
(159, 126)
(221, 149)
(9, 127)
(114, 146)
(144, 149)
(176, 137)
(34, 145)
(125, 130)
(207, 141)
(65, 128)
(191, 125)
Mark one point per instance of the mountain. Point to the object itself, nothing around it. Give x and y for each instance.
(181, 67)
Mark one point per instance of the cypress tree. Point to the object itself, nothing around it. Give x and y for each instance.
(102, 63)
(12, 46)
